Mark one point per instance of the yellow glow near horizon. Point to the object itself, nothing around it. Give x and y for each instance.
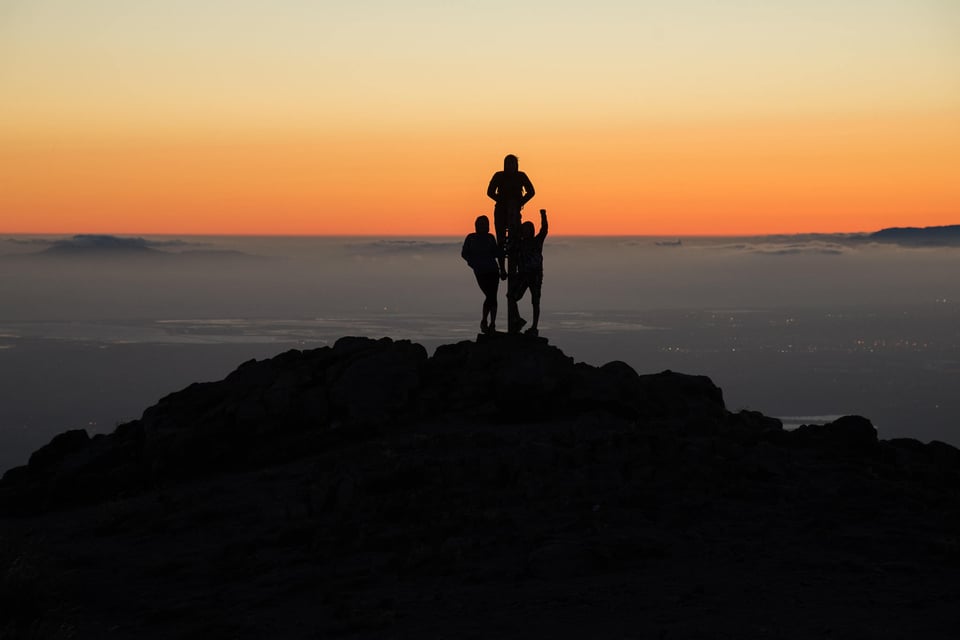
(293, 117)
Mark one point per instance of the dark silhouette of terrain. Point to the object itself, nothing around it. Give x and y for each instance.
(494, 489)
(920, 236)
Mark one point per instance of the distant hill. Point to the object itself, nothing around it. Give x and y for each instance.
(104, 247)
(919, 236)
(99, 244)
(496, 489)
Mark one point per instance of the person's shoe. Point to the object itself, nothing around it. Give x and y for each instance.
(492, 329)
(518, 325)
(483, 325)
(532, 331)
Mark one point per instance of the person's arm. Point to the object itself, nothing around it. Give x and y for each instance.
(543, 225)
(492, 187)
(528, 191)
(465, 253)
(497, 251)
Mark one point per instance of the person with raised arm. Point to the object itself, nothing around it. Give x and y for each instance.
(529, 275)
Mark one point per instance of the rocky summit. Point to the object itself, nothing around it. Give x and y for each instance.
(496, 489)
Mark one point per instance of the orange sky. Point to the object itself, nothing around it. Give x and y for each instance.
(780, 176)
(302, 120)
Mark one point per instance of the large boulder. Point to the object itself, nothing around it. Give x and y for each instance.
(847, 434)
(59, 448)
(376, 381)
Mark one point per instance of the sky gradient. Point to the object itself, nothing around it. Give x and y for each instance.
(385, 118)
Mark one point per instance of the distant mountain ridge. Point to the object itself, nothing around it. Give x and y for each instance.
(948, 235)
(105, 246)
(86, 243)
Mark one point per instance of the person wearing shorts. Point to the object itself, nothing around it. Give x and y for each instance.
(529, 275)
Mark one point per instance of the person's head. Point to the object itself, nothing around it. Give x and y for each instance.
(527, 230)
(511, 163)
(482, 224)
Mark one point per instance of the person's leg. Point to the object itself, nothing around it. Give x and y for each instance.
(535, 299)
(515, 291)
(500, 229)
(511, 217)
(485, 308)
(490, 285)
(536, 284)
(492, 303)
(512, 311)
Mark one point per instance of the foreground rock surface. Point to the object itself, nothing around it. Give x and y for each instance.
(495, 489)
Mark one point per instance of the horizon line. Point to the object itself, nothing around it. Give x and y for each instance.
(448, 235)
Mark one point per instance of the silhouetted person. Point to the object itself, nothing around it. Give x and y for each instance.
(529, 275)
(481, 252)
(510, 189)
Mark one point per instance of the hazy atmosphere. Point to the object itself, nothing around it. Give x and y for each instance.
(197, 133)
(94, 329)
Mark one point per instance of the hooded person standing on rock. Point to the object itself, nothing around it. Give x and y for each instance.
(481, 253)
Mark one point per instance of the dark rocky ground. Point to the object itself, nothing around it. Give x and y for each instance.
(496, 489)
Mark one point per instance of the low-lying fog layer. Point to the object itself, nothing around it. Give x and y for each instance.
(93, 329)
